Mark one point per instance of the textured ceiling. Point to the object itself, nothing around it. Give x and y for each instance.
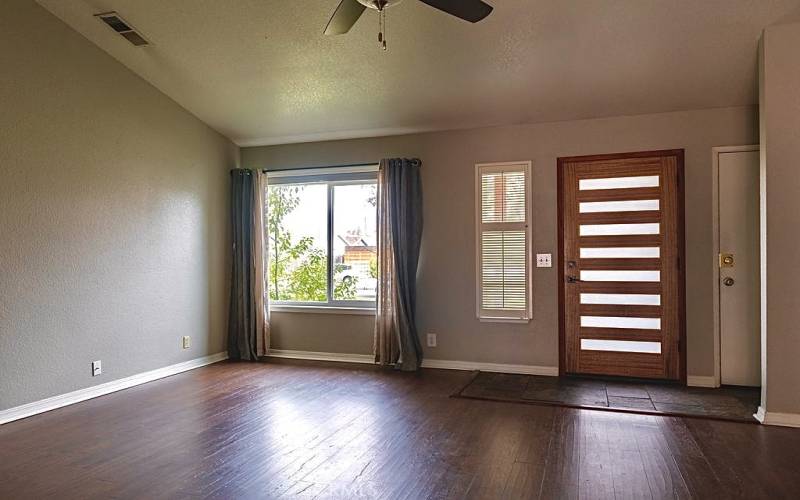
(261, 72)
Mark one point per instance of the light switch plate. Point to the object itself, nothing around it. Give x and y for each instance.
(544, 260)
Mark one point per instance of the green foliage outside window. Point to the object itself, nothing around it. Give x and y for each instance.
(298, 271)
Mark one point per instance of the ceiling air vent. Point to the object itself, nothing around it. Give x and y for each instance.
(116, 23)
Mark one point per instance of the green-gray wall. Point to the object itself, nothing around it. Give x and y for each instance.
(113, 216)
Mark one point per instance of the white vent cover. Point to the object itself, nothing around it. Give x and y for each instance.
(116, 23)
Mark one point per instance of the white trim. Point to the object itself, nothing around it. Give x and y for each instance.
(487, 319)
(780, 419)
(527, 166)
(73, 397)
(701, 381)
(303, 172)
(443, 364)
(715, 152)
(322, 356)
(358, 311)
(446, 364)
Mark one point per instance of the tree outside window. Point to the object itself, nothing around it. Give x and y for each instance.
(297, 225)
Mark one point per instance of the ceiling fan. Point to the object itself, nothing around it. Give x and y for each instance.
(348, 12)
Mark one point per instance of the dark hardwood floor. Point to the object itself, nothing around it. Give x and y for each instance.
(303, 430)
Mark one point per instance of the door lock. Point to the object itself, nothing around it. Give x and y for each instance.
(728, 281)
(573, 279)
(726, 260)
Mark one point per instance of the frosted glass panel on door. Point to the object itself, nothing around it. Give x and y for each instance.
(618, 182)
(625, 299)
(621, 275)
(617, 206)
(621, 253)
(620, 346)
(618, 229)
(620, 322)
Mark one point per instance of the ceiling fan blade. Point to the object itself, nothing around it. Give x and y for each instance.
(345, 16)
(468, 10)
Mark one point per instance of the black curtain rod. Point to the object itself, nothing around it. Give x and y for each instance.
(318, 168)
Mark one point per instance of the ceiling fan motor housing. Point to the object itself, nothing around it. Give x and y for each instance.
(379, 4)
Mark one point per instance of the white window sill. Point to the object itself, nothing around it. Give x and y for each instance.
(358, 311)
(504, 320)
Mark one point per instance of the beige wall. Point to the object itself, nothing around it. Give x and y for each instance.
(345, 333)
(780, 129)
(113, 216)
(446, 300)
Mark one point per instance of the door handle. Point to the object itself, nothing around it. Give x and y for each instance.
(728, 281)
(573, 279)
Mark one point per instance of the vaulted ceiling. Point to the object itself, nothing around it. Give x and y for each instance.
(262, 72)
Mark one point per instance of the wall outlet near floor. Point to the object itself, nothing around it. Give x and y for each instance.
(97, 368)
(431, 340)
(187, 342)
(544, 260)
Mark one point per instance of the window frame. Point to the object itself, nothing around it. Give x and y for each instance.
(495, 315)
(330, 177)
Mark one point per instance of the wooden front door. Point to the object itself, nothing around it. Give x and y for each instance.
(621, 291)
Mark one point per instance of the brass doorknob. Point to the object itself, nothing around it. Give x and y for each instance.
(728, 281)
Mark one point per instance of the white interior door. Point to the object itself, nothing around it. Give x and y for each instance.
(739, 285)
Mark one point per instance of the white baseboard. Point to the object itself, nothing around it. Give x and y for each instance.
(443, 364)
(73, 397)
(701, 381)
(781, 419)
(446, 364)
(322, 356)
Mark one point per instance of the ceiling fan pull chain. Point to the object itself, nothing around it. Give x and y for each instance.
(382, 28)
(383, 16)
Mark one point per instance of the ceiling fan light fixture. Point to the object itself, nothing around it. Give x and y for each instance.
(349, 11)
(379, 5)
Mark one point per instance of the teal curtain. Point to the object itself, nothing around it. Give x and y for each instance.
(242, 317)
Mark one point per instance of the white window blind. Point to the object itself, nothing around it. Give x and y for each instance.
(503, 237)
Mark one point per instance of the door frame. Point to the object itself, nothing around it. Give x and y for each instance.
(715, 152)
(560, 161)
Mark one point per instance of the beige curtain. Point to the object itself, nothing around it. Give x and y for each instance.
(260, 263)
(387, 347)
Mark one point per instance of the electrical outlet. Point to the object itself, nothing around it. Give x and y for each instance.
(97, 368)
(544, 260)
(187, 342)
(431, 340)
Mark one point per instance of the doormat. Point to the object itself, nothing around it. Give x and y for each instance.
(725, 403)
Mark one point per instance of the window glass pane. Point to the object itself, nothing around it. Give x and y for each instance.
(621, 299)
(620, 346)
(621, 275)
(618, 182)
(618, 229)
(620, 322)
(297, 222)
(617, 206)
(621, 253)
(355, 262)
